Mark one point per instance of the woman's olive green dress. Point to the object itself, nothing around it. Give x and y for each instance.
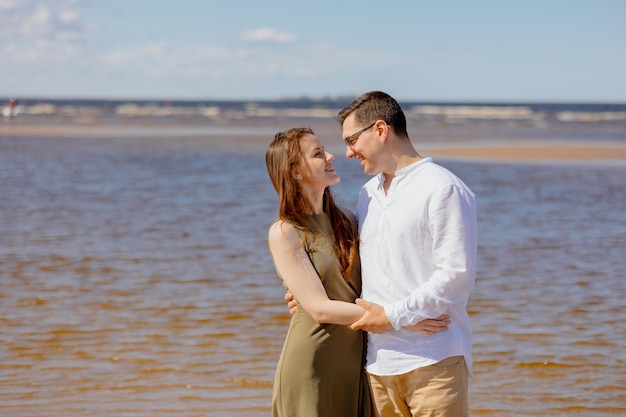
(320, 371)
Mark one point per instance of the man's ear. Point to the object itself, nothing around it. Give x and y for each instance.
(383, 131)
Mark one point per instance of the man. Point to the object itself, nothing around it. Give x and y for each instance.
(417, 225)
(418, 243)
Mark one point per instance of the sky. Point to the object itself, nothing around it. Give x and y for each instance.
(463, 51)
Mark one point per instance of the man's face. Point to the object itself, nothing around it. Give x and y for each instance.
(361, 143)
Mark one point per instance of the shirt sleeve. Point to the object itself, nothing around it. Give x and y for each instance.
(452, 226)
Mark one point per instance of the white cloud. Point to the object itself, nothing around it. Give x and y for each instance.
(36, 23)
(268, 35)
(9, 4)
(157, 49)
(162, 59)
(35, 20)
(113, 58)
(68, 16)
(54, 36)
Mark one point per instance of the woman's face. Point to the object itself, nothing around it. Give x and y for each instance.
(316, 165)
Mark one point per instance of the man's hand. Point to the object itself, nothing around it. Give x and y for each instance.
(291, 303)
(431, 326)
(374, 320)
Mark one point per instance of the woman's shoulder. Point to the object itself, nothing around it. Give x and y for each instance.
(280, 226)
(283, 231)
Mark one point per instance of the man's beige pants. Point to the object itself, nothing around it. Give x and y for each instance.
(437, 390)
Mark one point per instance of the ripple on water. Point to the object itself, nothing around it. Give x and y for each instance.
(136, 281)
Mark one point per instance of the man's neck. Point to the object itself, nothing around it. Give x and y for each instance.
(400, 162)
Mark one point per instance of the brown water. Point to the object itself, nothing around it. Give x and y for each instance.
(135, 281)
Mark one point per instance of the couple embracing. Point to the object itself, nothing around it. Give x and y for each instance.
(380, 326)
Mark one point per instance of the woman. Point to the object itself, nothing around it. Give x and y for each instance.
(314, 245)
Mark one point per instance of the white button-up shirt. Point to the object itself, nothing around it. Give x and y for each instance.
(418, 254)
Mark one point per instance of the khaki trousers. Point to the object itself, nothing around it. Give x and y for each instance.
(437, 390)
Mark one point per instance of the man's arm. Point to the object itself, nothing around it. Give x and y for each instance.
(452, 224)
(375, 321)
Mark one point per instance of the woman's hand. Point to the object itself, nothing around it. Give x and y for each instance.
(431, 326)
(291, 303)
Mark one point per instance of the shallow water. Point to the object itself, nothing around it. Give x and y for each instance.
(135, 280)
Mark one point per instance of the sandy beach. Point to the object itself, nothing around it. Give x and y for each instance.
(524, 151)
(253, 136)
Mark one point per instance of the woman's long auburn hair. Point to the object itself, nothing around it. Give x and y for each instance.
(282, 157)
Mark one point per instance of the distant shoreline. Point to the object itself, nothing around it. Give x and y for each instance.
(255, 137)
(573, 151)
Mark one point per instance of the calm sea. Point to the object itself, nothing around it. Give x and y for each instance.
(135, 278)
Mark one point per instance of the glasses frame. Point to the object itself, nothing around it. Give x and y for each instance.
(351, 140)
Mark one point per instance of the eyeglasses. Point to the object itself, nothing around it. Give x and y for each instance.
(351, 140)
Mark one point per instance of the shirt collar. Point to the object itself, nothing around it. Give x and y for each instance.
(403, 172)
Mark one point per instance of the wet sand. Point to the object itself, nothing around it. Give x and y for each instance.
(253, 136)
(523, 151)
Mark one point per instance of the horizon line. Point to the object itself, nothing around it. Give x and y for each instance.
(304, 98)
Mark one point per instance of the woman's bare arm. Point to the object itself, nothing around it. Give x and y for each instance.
(301, 278)
(426, 326)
